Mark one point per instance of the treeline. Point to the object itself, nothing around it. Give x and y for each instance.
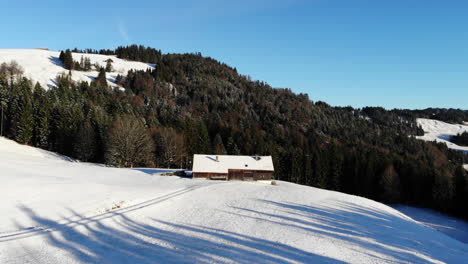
(191, 104)
(94, 51)
(131, 52)
(66, 57)
(460, 139)
(454, 116)
(139, 53)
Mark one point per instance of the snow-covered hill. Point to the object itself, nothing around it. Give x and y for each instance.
(452, 226)
(435, 130)
(43, 66)
(54, 210)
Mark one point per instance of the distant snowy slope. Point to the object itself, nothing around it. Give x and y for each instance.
(441, 132)
(56, 211)
(43, 66)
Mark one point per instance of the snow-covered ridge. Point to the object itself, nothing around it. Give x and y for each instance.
(43, 65)
(56, 211)
(9, 147)
(435, 130)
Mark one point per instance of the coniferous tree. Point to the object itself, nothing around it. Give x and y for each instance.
(67, 59)
(24, 121)
(368, 152)
(198, 139)
(232, 148)
(101, 80)
(87, 64)
(85, 142)
(109, 67)
(41, 117)
(461, 192)
(218, 146)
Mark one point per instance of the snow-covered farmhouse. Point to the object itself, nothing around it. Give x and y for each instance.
(226, 167)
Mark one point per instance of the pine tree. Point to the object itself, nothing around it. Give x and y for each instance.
(62, 56)
(41, 117)
(218, 146)
(3, 104)
(87, 64)
(25, 121)
(335, 169)
(109, 67)
(461, 192)
(67, 59)
(198, 139)
(101, 80)
(85, 143)
(232, 148)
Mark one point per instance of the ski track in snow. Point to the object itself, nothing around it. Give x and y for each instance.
(28, 231)
(52, 212)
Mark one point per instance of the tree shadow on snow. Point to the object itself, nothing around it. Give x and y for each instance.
(56, 61)
(119, 239)
(375, 231)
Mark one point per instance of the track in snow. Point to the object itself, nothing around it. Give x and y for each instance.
(37, 230)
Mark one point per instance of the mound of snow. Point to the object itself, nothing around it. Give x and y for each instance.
(55, 211)
(43, 66)
(435, 130)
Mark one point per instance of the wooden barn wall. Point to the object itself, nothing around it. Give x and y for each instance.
(245, 175)
(208, 175)
(237, 175)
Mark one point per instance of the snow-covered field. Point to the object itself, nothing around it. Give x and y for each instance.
(55, 210)
(435, 130)
(43, 66)
(451, 226)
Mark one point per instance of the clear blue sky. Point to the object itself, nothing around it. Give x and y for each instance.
(391, 53)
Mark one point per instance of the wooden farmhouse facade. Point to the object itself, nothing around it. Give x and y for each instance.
(227, 167)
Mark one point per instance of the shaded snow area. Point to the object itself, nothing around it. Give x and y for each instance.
(451, 226)
(59, 211)
(43, 66)
(435, 130)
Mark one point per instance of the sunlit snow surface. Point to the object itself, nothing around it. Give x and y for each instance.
(59, 211)
(43, 66)
(435, 130)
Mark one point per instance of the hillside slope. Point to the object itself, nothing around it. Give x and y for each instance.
(435, 130)
(59, 211)
(43, 66)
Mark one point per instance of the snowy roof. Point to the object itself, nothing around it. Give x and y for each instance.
(211, 164)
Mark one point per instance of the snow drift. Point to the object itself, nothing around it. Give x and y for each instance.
(43, 66)
(59, 211)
